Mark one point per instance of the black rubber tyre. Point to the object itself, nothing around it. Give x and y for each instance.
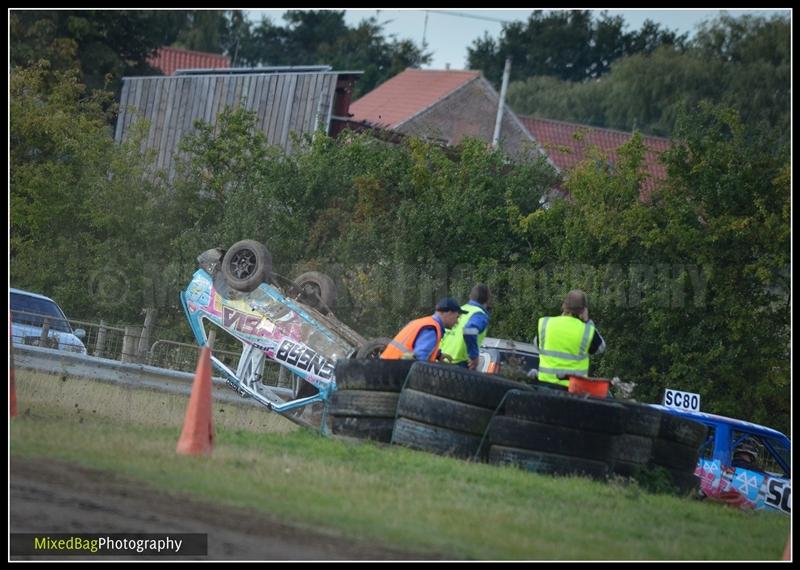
(557, 408)
(522, 434)
(380, 375)
(549, 463)
(457, 383)
(642, 420)
(373, 348)
(633, 449)
(246, 265)
(682, 430)
(377, 429)
(674, 455)
(364, 403)
(435, 439)
(317, 290)
(443, 412)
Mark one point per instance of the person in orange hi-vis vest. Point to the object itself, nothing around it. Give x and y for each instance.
(420, 338)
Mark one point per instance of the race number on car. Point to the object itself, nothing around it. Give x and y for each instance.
(681, 400)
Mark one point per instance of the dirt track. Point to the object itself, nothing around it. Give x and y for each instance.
(52, 496)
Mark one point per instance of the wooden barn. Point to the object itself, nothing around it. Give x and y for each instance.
(285, 99)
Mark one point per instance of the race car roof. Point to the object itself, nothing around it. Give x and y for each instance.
(707, 418)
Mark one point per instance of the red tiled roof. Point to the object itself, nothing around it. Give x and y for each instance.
(558, 141)
(406, 94)
(168, 60)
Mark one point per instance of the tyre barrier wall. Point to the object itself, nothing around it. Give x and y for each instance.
(365, 401)
(446, 409)
(453, 411)
(560, 433)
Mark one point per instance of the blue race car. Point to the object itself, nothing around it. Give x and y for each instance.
(761, 481)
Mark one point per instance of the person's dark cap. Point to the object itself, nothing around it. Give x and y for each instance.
(449, 304)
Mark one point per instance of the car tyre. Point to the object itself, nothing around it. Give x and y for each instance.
(317, 290)
(373, 348)
(246, 265)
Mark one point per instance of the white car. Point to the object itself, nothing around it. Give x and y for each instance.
(509, 358)
(29, 311)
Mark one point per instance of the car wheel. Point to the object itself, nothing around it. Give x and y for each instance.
(373, 348)
(246, 265)
(317, 290)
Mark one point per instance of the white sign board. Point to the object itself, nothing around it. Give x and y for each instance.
(681, 400)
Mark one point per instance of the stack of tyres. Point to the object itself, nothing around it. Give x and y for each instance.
(365, 401)
(446, 409)
(554, 432)
(559, 433)
(676, 443)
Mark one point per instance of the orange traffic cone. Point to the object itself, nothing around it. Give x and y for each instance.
(787, 552)
(197, 437)
(12, 389)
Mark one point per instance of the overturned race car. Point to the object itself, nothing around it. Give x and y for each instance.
(288, 321)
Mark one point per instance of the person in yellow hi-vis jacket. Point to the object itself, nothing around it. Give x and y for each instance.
(565, 343)
(462, 342)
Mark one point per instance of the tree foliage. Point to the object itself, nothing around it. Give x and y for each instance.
(108, 44)
(740, 62)
(568, 44)
(83, 218)
(690, 290)
(321, 37)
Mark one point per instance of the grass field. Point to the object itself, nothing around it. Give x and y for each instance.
(397, 497)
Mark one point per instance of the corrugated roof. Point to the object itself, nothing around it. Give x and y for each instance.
(558, 140)
(407, 94)
(168, 60)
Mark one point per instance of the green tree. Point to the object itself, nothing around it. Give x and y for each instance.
(741, 62)
(321, 37)
(650, 91)
(757, 57)
(214, 31)
(567, 44)
(86, 224)
(730, 187)
(690, 289)
(548, 97)
(108, 44)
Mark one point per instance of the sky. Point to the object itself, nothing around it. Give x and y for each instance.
(450, 31)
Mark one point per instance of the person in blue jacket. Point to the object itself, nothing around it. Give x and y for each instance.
(461, 344)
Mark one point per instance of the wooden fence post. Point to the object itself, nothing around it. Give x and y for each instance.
(130, 344)
(147, 333)
(44, 336)
(100, 341)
